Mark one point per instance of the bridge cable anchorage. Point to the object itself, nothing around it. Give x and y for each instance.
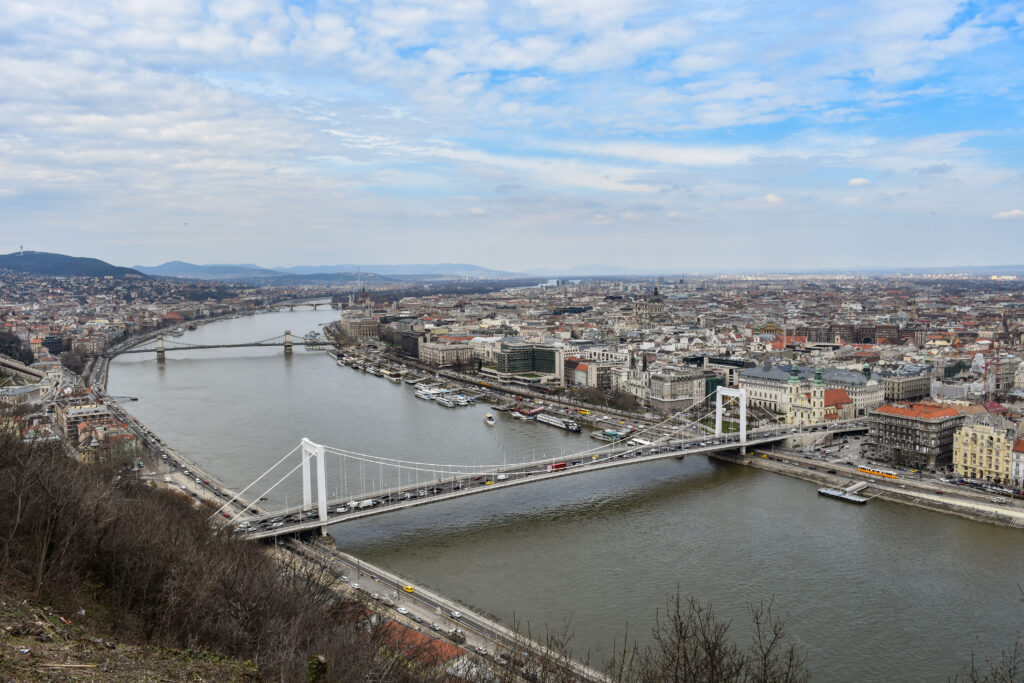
(239, 494)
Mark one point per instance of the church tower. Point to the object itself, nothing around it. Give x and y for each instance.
(817, 397)
(792, 394)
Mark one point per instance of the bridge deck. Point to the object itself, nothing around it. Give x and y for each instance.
(188, 347)
(295, 520)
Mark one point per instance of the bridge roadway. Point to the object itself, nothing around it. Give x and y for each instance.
(188, 347)
(295, 519)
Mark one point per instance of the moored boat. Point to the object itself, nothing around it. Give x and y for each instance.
(608, 435)
(559, 422)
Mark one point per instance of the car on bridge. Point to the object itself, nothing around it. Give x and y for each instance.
(408, 589)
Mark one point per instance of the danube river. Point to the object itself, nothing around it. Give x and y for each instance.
(876, 592)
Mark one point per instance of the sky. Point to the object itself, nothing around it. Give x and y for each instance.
(515, 135)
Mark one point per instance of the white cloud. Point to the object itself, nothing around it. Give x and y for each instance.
(580, 105)
(693, 63)
(666, 154)
(1012, 213)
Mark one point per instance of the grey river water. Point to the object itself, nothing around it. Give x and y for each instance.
(876, 592)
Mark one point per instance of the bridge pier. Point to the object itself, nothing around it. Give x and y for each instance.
(309, 451)
(287, 342)
(160, 355)
(741, 394)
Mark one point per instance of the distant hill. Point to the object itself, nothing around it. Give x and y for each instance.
(216, 271)
(446, 269)
(45, 263)
(593, 269)
(338, 274)
(247, 273)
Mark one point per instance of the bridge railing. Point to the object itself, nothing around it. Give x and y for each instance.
(446, 475)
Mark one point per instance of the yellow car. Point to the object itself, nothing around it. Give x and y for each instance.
(408, 589)
(488, 483)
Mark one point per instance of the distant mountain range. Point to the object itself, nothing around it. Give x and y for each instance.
(214, 271)
(335, 273)
(45, 263)
(450, 269)
(592, 270)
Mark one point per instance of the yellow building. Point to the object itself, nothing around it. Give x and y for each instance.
(805, 407)
(983, 448)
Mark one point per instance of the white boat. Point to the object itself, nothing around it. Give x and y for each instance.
(461, 400)
(559, 422)
(425, 394)
(489, 419)
(445, 401)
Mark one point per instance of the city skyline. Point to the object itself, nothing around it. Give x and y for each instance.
(513, 137)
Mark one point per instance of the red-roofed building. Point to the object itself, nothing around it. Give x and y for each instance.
(420, 650)
(781, 341)
(1018, 463)
(172, 318)
(918, 435)
(995, 407)
(838, 405)
(579, 373)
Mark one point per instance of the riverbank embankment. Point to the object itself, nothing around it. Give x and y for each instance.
(927, 495)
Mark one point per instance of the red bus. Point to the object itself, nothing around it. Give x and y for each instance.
(556, 466)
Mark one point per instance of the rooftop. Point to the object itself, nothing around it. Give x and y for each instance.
(919, 411)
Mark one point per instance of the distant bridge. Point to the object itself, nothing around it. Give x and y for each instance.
(160, 345)
(412, 484)
(292, 305)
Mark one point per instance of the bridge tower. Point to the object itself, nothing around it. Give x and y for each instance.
(287, 342)
(160, 356)
(309, 451)
(741, 394)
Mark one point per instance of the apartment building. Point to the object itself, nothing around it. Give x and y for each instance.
(918, 435)
(983, 448)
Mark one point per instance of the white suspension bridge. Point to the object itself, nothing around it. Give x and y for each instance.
(399, 484)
